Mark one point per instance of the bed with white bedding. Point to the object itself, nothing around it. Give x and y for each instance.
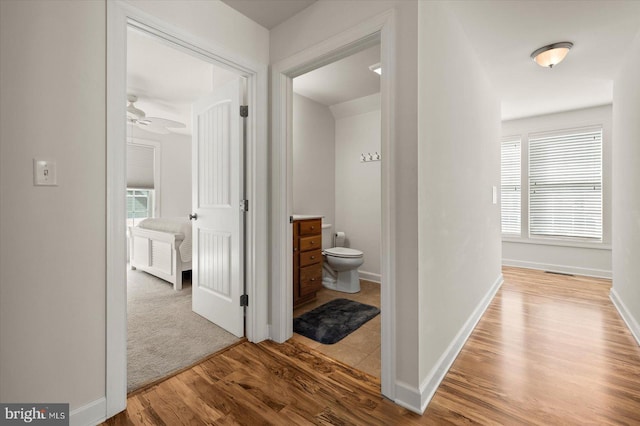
(162, 247)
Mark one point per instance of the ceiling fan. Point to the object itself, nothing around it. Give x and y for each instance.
(159, 125)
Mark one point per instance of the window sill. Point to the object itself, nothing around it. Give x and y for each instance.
(557, 242)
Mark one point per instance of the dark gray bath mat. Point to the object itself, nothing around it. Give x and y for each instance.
(333, 321)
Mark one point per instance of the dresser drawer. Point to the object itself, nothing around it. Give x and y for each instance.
(310, 287)
(311, 243)
(310, 257)
(310, 227)
(310, 279)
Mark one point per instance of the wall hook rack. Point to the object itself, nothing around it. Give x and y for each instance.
(368, 157)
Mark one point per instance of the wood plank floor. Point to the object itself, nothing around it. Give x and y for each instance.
(549, 350)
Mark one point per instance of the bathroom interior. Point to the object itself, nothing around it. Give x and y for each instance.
(337, 196)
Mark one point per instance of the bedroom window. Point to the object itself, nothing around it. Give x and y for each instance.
(510, 188)
(143, 181)
(139, 205)
(565, 184)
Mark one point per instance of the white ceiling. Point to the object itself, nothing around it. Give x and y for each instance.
(504, 33)
(167, 80)
(343, 80)
(269, 13)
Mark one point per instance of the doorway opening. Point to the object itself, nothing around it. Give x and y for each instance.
(379, 30)
(121, 17)
(337, 184)
(171, 319)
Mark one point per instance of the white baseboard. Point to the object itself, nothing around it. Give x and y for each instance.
(627, 317)
(575, 270)
(417, 400)
(89, 415)
(408, 396)
(369, 276)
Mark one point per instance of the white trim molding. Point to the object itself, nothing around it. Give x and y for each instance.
(120, 16)
(417, 399)
(116, 308)
(88, 415)
(626, 315)
(370, 276)
(378, 29)
(408, 396)
(563, 269)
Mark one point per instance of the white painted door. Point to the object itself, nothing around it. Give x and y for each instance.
(218, 237)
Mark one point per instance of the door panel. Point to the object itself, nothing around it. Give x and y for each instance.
(218, 231)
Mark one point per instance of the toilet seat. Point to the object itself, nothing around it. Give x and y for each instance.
(343, 252)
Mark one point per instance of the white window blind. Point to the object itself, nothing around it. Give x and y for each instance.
(565, 184)
(510, 189)
(140, 166)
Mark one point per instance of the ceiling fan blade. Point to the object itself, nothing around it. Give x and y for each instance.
(163, 122)
(153, 129)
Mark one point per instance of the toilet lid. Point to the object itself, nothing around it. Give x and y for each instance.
(343, 252)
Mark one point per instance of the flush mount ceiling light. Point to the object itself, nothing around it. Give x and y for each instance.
(376, 68)
(551, 55)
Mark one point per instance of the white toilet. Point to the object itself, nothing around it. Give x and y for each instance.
(340, 267)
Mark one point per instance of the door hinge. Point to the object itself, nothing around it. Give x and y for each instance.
(244, 110)
(244, 300)
(244, 205)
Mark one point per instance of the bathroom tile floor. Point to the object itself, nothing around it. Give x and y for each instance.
(360, 349)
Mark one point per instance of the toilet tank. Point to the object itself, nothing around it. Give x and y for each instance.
(327, 236)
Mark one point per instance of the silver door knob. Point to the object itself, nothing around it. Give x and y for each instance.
(193, 216)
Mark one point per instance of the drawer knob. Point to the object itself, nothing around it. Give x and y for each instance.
(313, 279)
(313, 257)
(313, 242)
(313, 227)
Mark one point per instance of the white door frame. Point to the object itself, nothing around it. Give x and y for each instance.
(380, 29)
(119, 16)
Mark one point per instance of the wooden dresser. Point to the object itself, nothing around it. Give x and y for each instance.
(307, 260)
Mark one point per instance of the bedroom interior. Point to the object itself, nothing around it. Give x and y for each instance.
(164, 334)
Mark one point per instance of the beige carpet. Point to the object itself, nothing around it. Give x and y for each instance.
(164, 335)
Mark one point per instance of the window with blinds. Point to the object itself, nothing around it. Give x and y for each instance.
(510, 189)
(565, 184)
(139, 205)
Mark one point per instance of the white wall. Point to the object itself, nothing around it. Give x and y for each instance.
(458, 164)
(175, 175)
(626, 193)
(313, 159)
(215, 23)
(327, 143)
(441, 289)
(325, 19)
(52, 244)
(582, 258)
(359, 184)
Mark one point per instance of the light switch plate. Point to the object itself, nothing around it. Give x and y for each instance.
(44, 172)
(495, 195)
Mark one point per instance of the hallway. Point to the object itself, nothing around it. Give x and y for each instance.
(550, 349)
